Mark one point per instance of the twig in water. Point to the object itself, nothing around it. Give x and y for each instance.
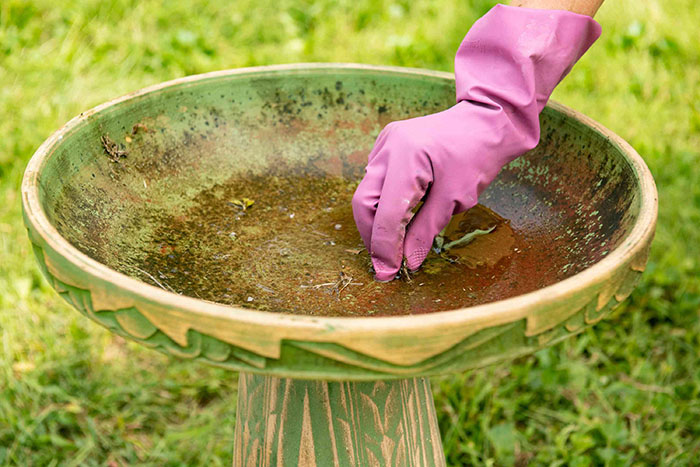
(338, 286)
(343, 281)
(265, 289)
(405, 273)
(168, 288)
(320, 234)
(318, 286)
(166, 284)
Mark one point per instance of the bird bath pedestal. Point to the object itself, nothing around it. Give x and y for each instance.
(209, 218)
(284, 421)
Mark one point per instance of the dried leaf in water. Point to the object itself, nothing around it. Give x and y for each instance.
(477, 237)
(465, 227)
(243, 203)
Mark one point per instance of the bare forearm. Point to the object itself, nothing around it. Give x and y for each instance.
(584, 7)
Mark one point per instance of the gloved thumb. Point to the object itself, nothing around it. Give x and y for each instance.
(430, 219)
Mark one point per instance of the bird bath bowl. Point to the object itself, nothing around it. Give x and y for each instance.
(209, 218)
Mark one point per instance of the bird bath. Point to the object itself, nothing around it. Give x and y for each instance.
(209, 218)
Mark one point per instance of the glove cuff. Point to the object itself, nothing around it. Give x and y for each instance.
(514, 57)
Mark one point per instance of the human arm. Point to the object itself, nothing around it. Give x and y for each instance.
(582, 7)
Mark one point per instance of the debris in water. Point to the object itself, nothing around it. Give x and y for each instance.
(474, 238)
(404, 273)
(243, 203)
(164, 287)
(338, 286)
(265, 289)
(467, 238)
(465, 227)
(112, 149)
(139, 127)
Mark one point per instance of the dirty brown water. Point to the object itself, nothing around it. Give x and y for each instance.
(296, 250)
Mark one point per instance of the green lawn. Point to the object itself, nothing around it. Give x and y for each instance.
(625, 393)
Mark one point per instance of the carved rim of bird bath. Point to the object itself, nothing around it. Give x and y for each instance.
(369, 343)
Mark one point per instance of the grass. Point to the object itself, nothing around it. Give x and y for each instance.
(625, 393)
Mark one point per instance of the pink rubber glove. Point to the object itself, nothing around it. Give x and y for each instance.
(505, 70)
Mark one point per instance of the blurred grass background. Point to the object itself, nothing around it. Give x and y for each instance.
(624, 393)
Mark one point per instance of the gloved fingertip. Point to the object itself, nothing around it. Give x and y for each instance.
(383, 273)
(415, 258)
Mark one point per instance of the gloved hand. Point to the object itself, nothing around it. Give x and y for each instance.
(505, 70)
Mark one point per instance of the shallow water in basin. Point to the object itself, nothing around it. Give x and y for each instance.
(295, 249)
